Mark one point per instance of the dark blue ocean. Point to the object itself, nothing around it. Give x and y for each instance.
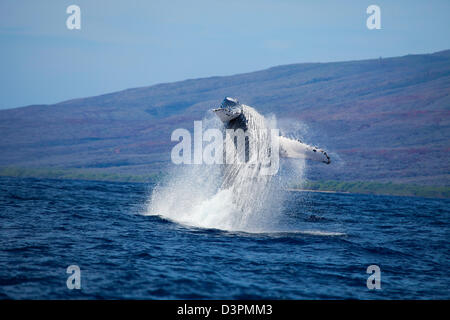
(47, 225)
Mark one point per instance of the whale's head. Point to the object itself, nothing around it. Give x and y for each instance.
(229, 109)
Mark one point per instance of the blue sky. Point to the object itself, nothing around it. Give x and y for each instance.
(125, 44)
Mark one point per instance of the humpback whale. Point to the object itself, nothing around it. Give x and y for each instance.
(235, 115)
(245, 193)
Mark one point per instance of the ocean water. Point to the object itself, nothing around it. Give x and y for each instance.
(328, 242)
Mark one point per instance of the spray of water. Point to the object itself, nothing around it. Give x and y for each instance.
(229, 196)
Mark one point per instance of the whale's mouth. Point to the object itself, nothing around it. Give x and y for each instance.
(227, 114)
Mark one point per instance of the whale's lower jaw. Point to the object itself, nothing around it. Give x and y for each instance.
(226, 115)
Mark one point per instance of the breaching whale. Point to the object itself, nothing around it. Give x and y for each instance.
(245, 193)
(235, 115)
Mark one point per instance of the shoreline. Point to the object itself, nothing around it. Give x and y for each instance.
(318, 191)
(336, 187)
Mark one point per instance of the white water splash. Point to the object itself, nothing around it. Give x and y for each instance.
(230, 197)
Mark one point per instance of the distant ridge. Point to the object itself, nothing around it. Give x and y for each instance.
(383, 120)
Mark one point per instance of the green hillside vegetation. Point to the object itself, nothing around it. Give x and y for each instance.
(366, 187)
(74, 174)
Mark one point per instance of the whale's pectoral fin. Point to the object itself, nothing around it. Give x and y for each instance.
(290, 148)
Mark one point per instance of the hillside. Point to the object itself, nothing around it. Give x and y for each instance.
(384, 120)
